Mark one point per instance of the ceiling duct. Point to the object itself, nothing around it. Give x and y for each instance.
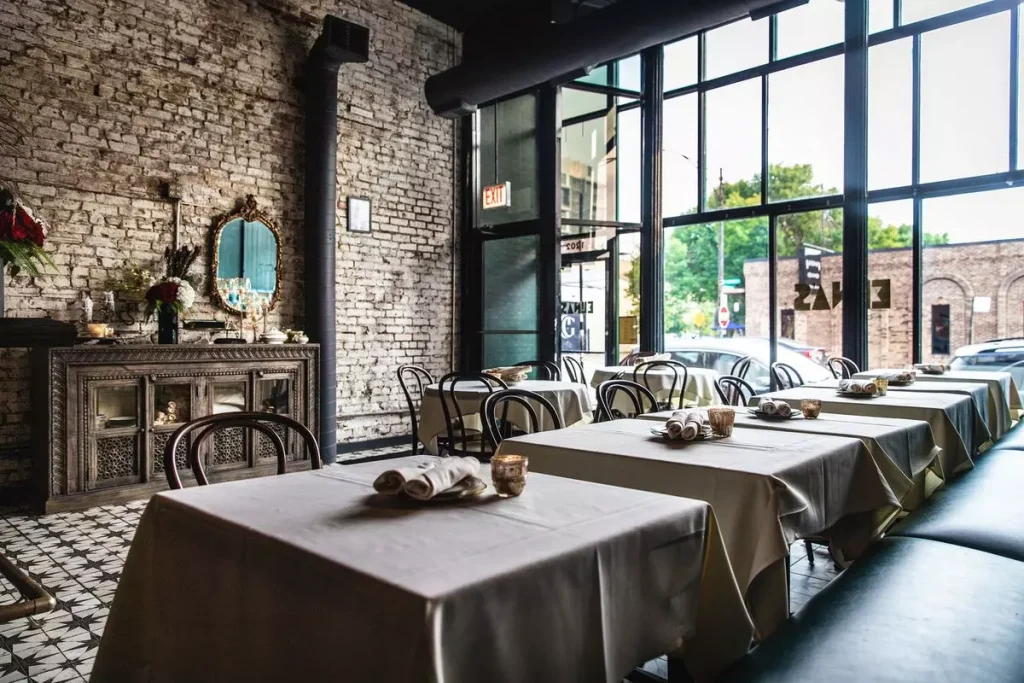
(509, 64)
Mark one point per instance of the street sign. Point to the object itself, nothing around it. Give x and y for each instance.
(723, 316)
(732, 282)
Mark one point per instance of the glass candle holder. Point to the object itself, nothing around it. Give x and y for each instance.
(811, 408)
(882, 383)
(508, 474)
(722, 420)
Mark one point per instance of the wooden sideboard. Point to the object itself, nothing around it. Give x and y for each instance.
(102, 415)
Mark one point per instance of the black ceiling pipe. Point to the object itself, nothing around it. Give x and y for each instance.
(508, 64)
(339, 42)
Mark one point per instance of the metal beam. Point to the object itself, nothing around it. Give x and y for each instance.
(652, 276)
(549, 162)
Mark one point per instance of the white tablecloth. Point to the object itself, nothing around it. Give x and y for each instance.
(570, 400)
(953, 417)
(700, 385)
(767, 488)
(311, 577)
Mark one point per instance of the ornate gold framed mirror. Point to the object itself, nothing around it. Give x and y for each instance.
(246, 261)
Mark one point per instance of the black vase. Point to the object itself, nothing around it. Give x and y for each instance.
(167, 325)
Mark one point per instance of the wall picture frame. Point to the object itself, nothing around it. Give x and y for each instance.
(360, 212)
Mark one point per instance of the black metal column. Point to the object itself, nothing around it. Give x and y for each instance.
(652, 269)
(470, 257)
(549, 260)
(855, 213)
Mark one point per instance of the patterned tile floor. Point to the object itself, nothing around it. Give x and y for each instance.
(78, 557)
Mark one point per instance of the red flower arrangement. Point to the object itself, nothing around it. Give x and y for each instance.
(21, 237)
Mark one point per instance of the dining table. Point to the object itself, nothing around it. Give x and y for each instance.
(904, 451)
(954, 419)
(313, 576)
(1003, 393)
(571, 401)
(767, 488)
(700, 384)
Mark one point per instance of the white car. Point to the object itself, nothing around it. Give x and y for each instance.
(998, 355)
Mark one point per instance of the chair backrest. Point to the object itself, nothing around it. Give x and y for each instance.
(741, 367)
(842, 368)
(497, 429)
(211, 424)
(637, 393)
(574, 370)
(734, 391)
(678, 371)
(454, 419)
(786, 376)
(636, 357)
(545, 369)
(418, 379)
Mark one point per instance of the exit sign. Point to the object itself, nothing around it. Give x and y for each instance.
(497, 196)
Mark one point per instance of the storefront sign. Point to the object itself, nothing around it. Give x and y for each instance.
(498, 196)
(577, 307)
(579, 245)
(810, 266)
(881, 296)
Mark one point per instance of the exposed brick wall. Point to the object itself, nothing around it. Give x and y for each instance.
(953, 276)
(118, 96)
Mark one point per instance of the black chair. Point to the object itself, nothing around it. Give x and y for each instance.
(545, 369)
(574, 370)
(675, 367)
(211, 424)
(413, 375)
(786, 376)
(734, 391)
(607, 390)
(498, 429)
(842, 368)
(741, 367)
(636, 357)
(460, 440)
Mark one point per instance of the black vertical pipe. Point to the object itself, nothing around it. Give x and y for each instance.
(773, 296)
(470, 255)
(855, 213)
(549, 157)
(917, 298)
(652, 269)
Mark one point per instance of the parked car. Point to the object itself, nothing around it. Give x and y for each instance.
(721, 354)
(816, 353)
(997, 355)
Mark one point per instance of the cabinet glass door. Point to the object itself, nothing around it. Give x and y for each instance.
(115, 458)
(274, 395)
(229, 445)
(172, 406)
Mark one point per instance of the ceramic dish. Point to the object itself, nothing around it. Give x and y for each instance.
(765, 416)
(663, 433)
(467, 488)
(855, 394)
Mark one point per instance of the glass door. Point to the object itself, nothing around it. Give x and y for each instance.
(587, 316)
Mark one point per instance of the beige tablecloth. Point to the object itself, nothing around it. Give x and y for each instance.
(311, 577)
(952, 417)
(570, 400)
(767, 488)
(700, 384)
(1003, 397)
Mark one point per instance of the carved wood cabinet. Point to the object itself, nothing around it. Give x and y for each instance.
(102, 415)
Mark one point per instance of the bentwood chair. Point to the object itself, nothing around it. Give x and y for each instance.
(734, 391)
(574, 370)
(842, 368)
(35, 600)
(202, 428)
(637, 393)
(462, 441)
(786, 376)
(676, 368)
(419, 379)
(741, 367)
(545, 369)
(636, 357)
(498, 429)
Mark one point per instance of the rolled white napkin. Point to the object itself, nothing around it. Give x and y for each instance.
(783, 409)
(690, 431)
(685, 425)
(858, 386)
(441, 477)
(393, 481)
(674, 427)
(767, 406)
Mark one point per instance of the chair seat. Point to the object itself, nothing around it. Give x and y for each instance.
(1014, 439)
(982, 509)
(910, 610)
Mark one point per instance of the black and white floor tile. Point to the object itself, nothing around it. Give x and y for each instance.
(78, 557)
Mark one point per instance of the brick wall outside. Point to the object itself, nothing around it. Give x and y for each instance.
(953, 275)
(116, 97)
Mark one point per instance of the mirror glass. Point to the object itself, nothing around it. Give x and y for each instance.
(246, 272)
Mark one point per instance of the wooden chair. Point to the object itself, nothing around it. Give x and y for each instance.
(211, 424)
(498, 429)
(675, 367)
(546, 370)
(574, 370)
(636, 357)
(463, 441)
(842, 368)
(607, 390)
(734, 391)
(413, 375)
(786, 376)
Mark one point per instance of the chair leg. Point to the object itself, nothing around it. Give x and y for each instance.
(809, 549)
